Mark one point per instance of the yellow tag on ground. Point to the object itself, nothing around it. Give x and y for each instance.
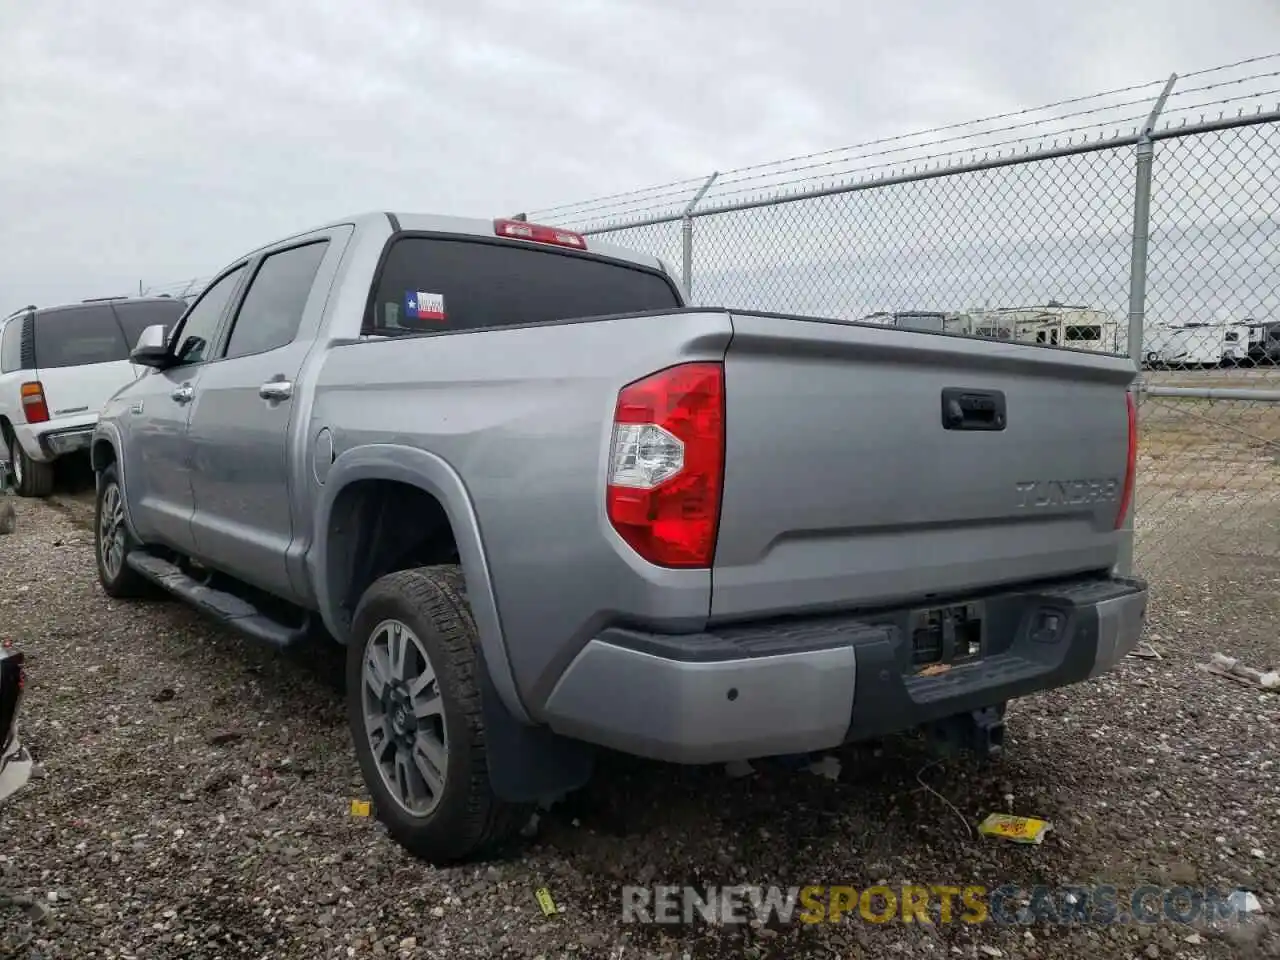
(360, 808)
(1015, 829)
(543, 896)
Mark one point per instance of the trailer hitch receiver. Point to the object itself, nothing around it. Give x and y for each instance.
(980, 732)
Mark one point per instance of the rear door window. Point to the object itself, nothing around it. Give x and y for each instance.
(271, 311)
(78, 336)
(136, 316)
(429, 284)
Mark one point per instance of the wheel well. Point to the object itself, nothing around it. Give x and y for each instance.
(377, 527)
(6, 430)
(101, 454)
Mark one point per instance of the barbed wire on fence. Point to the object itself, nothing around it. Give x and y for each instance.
(185, 289)
(1110, 115)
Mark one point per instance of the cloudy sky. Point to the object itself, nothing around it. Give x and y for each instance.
(149, 141)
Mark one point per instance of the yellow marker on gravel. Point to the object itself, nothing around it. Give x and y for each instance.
(543, 896)
(1015, 829)
(360, 808)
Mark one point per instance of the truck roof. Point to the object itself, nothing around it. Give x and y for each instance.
(470, 226)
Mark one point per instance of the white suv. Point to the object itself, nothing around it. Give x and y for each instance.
(58, 366)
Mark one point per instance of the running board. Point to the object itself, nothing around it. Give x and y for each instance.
(234, 611)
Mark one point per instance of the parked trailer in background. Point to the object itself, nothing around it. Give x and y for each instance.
(1196, 345)
(1235, 344)
(911, 320)
(1054, 324)
(1264, 340)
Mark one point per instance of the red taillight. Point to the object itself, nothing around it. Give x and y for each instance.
(666, 464)
(519, 230)
(1131, 466)
(33, 406)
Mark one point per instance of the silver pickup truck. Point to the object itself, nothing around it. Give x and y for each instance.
(549, 508)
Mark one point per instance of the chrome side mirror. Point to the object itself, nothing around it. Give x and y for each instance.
(152, 349)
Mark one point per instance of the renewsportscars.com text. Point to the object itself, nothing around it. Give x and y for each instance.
(933, 903)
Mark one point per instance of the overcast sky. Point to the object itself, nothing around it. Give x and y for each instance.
(149, 141)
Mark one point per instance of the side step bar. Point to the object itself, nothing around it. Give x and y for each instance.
(234, 611)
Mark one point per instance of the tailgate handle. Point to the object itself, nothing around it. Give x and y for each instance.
(964, 409)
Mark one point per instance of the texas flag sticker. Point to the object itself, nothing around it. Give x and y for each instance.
(423, 306)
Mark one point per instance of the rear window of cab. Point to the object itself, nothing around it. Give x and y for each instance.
(430, 284)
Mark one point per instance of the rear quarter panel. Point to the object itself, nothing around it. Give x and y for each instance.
(524, 416)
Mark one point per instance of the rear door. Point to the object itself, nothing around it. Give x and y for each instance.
(239, 430)
(81, 358)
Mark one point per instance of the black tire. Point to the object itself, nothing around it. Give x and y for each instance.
(31, 477)
(124, 583)
(468, 821)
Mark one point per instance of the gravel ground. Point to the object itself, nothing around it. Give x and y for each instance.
(194, 799)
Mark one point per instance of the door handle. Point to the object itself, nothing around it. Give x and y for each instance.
(973, 409)
(276, 390)
(183, 394)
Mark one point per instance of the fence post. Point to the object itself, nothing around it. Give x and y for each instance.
(1145, 155)
(686, 236)
(1141, 226)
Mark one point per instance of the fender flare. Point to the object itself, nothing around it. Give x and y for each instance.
(435, 476)
(110, 433)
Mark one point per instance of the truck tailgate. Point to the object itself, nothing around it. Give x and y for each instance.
(868, 465)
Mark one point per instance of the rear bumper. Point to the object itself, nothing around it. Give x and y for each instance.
(799, 686)
(56, 443)
(54, 438)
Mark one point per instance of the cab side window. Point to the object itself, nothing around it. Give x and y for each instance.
(194, 339)
(271, 312)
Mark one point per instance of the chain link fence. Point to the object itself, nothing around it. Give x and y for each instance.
(1211, 423)
(1143, 221)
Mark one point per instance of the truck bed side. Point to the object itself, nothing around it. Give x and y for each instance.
(524, 416)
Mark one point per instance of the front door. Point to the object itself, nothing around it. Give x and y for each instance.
(239, 428)
(157, 480)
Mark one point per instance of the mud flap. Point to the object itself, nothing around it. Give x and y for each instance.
(529, 764)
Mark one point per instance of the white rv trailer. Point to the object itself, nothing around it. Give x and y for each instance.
(1264, 340)
(1196, 344)
(910, 319)
(1235, 343)
(1054, 324)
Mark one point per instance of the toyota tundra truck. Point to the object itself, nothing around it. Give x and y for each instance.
(549, 508)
